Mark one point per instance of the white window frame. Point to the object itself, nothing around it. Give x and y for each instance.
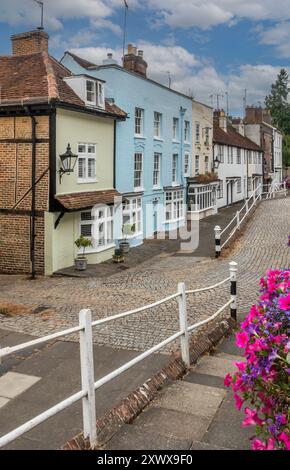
(138, 171)
(197, 132)
(206, 136)
(139, 122)
(95, 220)
(221, 153)
(157, 125)
(220, 189)
(239, 156)
(86, 156)
(175, 129)
(201, 198)
(239, 185)
(98, 94)
(174, 206)
(196, 165)
(186, 163)
(132, 210)
(186, 132)
(175, 168)
(157, 170)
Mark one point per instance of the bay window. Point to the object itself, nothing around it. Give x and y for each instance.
(98, 226)
(132, 214)
(174, 206)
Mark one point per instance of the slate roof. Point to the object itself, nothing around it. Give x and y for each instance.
(38, 78)
(86, 200)
(233, 138)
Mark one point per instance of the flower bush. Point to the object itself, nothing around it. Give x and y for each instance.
(262, 381)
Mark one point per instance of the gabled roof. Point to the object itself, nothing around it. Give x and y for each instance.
(38, 78)
(233, 138)
(82, 62)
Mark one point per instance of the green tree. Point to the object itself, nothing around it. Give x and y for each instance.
(277, 102)
(286, 150)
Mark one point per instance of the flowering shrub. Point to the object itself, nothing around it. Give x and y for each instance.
(263, 379)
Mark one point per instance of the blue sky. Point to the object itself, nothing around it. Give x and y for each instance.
(209, 46)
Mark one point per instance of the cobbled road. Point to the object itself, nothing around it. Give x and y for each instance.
(263, 245)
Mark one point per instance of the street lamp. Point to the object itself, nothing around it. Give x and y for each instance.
(68, 162)
(216, 163)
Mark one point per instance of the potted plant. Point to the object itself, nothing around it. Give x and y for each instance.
(118, 256)
(81, 261)
(127, 231)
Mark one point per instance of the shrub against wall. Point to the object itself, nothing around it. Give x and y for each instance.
(262, 382)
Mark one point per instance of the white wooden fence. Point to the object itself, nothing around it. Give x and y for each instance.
(85, 328)
(261, 192)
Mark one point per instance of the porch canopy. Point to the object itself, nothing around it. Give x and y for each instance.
(81, 201)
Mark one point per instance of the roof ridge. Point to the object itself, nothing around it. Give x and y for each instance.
(53, 92)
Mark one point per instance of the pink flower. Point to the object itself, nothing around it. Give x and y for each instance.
(258, 445)
(242, 340)
(228, 380)
(252, 418)
(284, 303)
(241, 366)
(239, 401)
(286, 439)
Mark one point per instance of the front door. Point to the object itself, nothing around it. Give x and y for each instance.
(230, 188)
(155, 217)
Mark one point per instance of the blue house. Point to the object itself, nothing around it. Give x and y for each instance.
(153, 147)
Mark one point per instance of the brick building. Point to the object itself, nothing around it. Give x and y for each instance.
(42, 109)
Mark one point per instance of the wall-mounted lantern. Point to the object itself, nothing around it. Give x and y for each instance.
(216, 163)
(68, 162)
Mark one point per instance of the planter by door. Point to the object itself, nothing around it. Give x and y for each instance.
(81, 264)
(125, 247)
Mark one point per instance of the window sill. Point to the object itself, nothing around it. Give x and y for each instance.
(201, 210)
(158, 139)
(87, 181)
(173, 221)
(138, 190)
(98, 250)
(157, 188)
(176, 141)
(141, 137)
(175, 184)
(131, 237)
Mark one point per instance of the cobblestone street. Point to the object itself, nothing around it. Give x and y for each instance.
(57, 301)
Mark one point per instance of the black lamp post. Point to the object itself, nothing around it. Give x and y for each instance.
(68, 162)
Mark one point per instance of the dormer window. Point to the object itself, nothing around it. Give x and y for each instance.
(95, 93)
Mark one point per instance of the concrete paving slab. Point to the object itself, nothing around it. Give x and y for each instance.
(13, 384)
(228, 346)
(3, 401)
(190, 398)
(205, 446)
(172, 423)
(231, 357)
(204, 379)
(132, 438)
(217, 366)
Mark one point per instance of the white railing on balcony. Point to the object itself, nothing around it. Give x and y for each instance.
(85, 330)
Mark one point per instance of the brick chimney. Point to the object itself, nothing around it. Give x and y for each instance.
(32, 42)
(134, 62)
(220, 119)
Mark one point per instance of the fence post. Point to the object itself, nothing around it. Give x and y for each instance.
(217, 235)
(285, 188)
(238, 220)
(247, 206)
(233, 275)
(87, 373)
(184, 340)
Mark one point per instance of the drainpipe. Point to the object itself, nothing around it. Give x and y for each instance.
(33, 196)
(33, 199)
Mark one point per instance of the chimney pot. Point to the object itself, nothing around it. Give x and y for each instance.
(140, 53)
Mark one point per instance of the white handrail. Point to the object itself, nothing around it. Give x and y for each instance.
(204, 289)
(87, 358)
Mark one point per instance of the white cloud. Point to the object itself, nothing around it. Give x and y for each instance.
(277, 36)
(27, 12)
(205, 14)
(196, 77)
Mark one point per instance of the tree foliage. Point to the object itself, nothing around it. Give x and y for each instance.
(277, 102)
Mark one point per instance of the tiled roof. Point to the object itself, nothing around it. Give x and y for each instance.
(233, 138)
(82, 62)
(82, 201)
(38, 78)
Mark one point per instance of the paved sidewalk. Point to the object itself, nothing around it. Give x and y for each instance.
(195, 413)
(34, 380)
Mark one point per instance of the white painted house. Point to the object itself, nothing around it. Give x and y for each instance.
(240, 168)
